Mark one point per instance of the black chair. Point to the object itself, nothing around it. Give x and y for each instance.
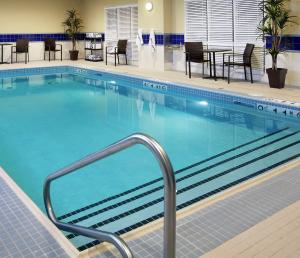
(194, 53)
(21, 47)
(246, 61)
(120, 49)
(50, 46)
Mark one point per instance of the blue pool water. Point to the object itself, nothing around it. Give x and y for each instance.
(49, 121)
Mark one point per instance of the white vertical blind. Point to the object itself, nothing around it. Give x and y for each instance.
(196, 20)
(246, 19)
(122, 23)
(134, 31)
(111, 29)
(220, 23)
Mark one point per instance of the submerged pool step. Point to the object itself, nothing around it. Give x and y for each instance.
(150, 210)
(158, 182)
(187, 180)
(181, 175)
(194, 183)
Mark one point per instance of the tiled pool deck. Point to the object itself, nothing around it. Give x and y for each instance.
(21, 234)
(199, 233)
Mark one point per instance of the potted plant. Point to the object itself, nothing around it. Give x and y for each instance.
(73, 25)
(276, 18)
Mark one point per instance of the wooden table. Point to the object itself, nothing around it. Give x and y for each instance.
(2, 45)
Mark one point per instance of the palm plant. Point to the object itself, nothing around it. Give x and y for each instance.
(73, 25)
(276, 18)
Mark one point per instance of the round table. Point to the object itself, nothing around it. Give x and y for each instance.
(2, 45)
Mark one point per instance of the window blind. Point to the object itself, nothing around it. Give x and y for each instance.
(196, 20)
(134, 31)
(220, 24)
(111, 28)
(122, 23)
(246, 19)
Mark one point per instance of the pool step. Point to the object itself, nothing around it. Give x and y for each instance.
(131, 209)
(158, 182)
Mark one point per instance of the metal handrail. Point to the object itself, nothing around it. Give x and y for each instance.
(169, 195)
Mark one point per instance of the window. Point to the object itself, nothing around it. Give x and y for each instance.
(121, 22)
(226, 23)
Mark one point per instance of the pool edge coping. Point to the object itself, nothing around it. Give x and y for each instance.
(68, 247)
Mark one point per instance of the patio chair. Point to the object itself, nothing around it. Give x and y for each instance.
(50, 46)
(120, 49)
(246, 61)
(21, 47)
(194, 53)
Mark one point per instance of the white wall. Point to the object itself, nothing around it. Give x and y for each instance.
(291, 61)
(152, 60)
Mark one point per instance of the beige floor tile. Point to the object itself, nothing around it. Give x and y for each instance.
(275, 236)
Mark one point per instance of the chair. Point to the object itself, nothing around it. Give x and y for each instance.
(247, 55)
(119, 50)
(21, 47)
(194, 53)
(50, 46)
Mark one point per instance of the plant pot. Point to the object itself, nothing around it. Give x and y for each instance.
(277, 77)
(74, 54)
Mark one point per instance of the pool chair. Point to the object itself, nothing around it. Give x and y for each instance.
(50, 46)
(194, 54)
(21, 47)
(120, 49)
(245, 61)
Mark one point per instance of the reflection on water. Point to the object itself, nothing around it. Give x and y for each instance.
(146, 102)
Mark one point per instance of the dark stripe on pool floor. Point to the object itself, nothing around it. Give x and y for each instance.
(160, 179)
(184, 205)
(158, 200)
(139, 196)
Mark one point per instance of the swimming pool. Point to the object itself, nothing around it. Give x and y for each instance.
(50, 117)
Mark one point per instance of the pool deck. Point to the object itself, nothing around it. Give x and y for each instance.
(25, 232)
(259, 218)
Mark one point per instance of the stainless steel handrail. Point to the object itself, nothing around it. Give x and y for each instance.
(169, 195)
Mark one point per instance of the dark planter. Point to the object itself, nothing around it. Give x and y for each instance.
(74, 54)
(277, 77)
